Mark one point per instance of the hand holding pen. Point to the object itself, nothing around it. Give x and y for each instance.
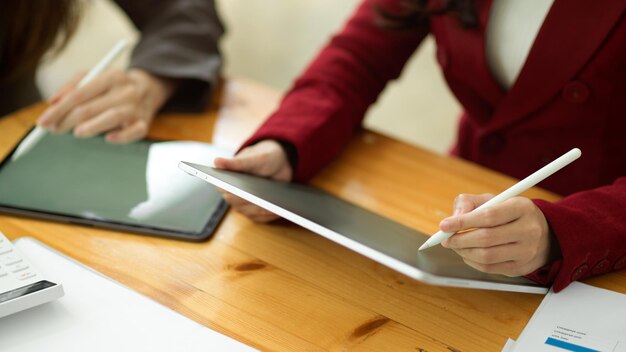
(503, 234)
(119, 103)
(41, 129)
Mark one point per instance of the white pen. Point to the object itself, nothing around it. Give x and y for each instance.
(514, 190)
(38, 132)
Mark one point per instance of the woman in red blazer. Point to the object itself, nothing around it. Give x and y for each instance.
(570, 92)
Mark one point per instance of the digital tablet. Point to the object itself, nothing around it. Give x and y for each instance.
(374, 236)
(135, 187)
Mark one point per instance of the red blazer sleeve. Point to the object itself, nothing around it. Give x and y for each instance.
(327, 103)
(591, 232)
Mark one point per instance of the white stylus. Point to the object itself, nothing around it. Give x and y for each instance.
(38, 132)
(514, 190)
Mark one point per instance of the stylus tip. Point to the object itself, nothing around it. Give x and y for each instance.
(424, 246)
(20, 151)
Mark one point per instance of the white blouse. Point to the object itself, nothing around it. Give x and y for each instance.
(511, 31)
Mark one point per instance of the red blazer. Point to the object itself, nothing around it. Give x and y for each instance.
(571, 92)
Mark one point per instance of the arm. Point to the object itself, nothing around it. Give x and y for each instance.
(328, 101)
(176, 63)
(590, 228)
(179, 41)
(579, 236)
(318, 115)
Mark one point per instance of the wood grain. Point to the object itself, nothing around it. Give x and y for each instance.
(280, 287)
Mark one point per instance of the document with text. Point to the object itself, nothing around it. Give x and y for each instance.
(581, 318)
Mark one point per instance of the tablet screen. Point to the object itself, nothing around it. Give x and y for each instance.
(134, 186)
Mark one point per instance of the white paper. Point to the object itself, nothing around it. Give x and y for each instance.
(508, 346)
(580, 318)
(99, 314)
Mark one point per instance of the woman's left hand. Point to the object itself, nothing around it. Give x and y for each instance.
(512, 238)
(119, 103)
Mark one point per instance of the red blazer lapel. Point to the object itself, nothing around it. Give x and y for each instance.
(572, 31)
(466, 49)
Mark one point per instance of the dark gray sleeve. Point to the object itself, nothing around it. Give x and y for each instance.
(179, 39)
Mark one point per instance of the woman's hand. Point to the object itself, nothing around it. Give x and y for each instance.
(266, 158)
(512, 238)
(121, 104)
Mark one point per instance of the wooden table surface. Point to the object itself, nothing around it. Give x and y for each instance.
(280, 287)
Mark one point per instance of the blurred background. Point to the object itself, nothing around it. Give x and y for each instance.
(271, 42)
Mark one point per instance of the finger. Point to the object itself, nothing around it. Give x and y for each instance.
(495, 215)
(491, 255)
(65, 88)
(225, 163)
(240, 163)
(265, 218)
(108, 120)
(510, 268)
(485, 237)
(52, 117)
(266, 158)
(464, 203)
(233, 200)
(130, 133)
(252, 211)
(86, 111)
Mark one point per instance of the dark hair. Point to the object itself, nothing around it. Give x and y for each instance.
(412, 14)
(29, 28)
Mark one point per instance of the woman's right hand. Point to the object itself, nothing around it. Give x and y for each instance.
(121, 104)
(266, 158)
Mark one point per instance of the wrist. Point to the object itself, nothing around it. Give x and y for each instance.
(276, 158)
(156, 90)
(554, 252)
(291, 153)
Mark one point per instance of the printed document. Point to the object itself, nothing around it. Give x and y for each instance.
(581, 318)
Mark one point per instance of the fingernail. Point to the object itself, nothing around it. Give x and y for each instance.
(457, 211)
(218, 163)
(79, 133)
(43, 120)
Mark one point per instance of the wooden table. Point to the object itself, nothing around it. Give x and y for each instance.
(280, 287)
